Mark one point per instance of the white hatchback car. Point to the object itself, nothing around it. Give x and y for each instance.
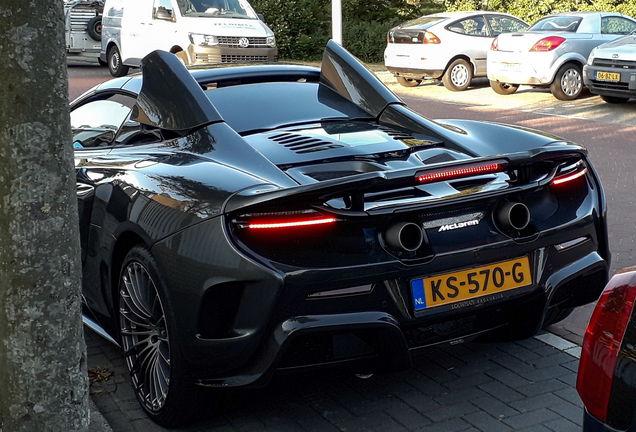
(553, 51)
(450, 46)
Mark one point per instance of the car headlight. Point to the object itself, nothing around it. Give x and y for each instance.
(202, 39)
(590, 59)
(271, 41)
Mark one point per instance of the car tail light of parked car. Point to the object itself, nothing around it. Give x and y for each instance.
(547, 44)
(602, 343)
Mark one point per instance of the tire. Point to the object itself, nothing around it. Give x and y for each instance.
(458, 75)
(568, 82)
(614, 99)
(503, 88)
(115, 65)
(408, 82)
(556, 315)
(183, 57)
(157, 368)
(94, 28)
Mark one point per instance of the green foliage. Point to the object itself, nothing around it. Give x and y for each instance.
(532, 10)
(303, 27)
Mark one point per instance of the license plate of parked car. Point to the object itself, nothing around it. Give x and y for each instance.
(608, 76)
(474, 285)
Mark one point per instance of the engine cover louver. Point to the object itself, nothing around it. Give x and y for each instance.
(302, 144)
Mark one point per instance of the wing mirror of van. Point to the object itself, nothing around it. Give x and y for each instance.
(163, 14)
(260, 17)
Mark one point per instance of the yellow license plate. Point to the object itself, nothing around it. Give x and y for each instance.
(471, 286)
(608, 76)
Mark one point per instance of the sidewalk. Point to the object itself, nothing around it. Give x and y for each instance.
(519, 386)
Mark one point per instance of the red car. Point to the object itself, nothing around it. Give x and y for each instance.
(607, 371)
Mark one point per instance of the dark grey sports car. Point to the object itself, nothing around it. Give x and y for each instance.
(237, 221)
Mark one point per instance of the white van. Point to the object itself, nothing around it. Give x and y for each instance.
(197, 31)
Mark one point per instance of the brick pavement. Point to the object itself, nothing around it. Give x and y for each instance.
(518, 386)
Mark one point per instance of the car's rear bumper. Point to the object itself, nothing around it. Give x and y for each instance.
(521, 68)
(376, 340)
(418, 74)
(625, 87)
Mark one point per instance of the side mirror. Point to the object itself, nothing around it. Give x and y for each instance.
(163, 14)
(261, 17)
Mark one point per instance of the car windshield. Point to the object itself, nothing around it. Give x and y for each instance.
(216, 9)
(557, 23)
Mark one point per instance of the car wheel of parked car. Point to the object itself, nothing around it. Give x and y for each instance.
(503, 88)
(568, 83)
(94, 28)
(614, 99)
(458, 75)
(115, 66)
(159, 378)
(408, 82)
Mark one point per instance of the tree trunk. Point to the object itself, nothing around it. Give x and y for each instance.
(43, 384)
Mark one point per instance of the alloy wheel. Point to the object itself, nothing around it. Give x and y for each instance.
(571, 82)
(144, 336)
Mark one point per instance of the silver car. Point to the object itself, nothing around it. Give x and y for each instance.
(450, 46)
(610, 70)
(552, 52)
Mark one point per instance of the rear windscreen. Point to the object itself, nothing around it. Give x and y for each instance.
(266, 106)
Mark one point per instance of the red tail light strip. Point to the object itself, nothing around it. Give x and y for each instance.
(292, 224)
(461, 172)
(569, 177)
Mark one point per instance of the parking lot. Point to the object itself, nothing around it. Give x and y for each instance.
(526, 385)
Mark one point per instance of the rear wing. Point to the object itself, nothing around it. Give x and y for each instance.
(551, 157)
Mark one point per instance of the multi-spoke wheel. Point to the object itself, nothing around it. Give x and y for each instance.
(144, 336)
(163, 386)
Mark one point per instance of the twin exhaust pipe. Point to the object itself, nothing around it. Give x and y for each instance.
(409, 236)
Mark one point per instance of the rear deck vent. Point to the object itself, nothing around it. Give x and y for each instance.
(394, 133)
(302, 144)
(439, 158)
(330, 175)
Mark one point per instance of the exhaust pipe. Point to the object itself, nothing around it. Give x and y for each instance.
(512, 215)
(404, 236)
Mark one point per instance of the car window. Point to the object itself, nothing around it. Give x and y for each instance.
(164, 5)
(504, 24)
(617, 25)
(95, 123)
(475, 26)
(557, 23)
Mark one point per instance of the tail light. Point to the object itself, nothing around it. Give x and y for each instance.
(453, 173)
(495, 44)
(430, 38)
(569, 173)
(602, 342)
(547, 44)
(283, 220)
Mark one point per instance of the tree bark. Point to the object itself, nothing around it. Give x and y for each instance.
(43, 384)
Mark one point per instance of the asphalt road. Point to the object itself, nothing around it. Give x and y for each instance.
(520, 386)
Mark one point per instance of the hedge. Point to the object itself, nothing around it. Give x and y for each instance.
(303, 27)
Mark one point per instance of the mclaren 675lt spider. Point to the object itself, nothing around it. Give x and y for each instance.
(238, 221)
